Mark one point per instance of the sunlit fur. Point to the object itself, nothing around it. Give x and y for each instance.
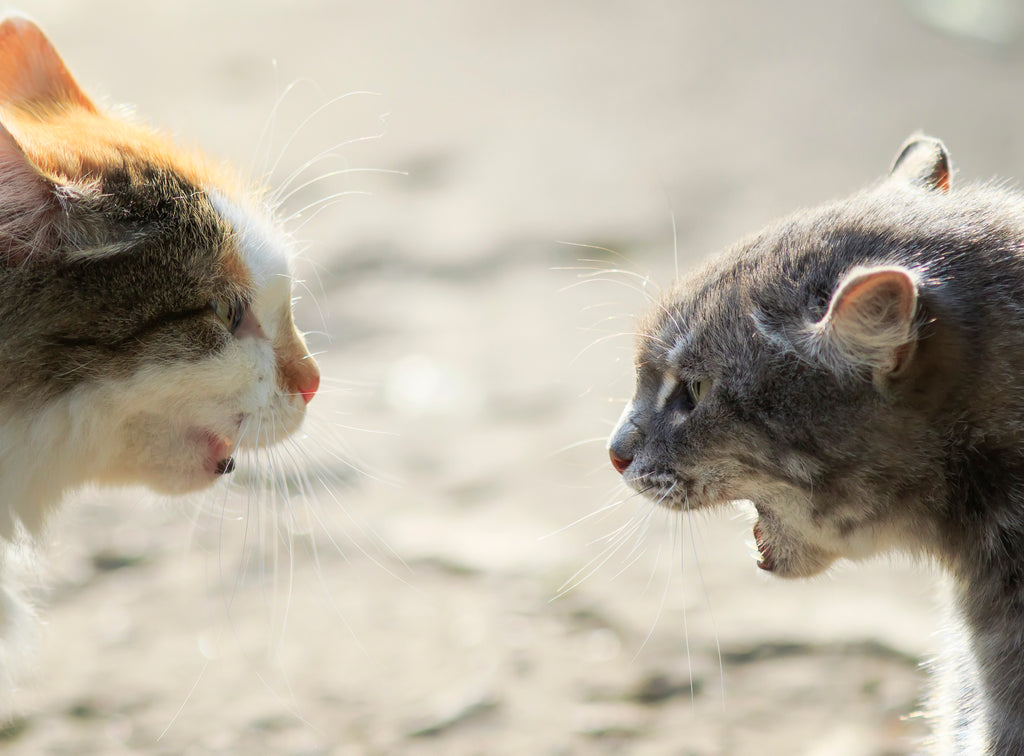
(114, 366)
(866, 369)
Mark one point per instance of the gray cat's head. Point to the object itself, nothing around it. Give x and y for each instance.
(801, 372)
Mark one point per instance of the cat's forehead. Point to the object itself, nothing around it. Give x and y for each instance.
(693, 317)
(260, 245)
(710, 317)
(669, 342)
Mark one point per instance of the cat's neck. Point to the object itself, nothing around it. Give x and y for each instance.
(991, 609)
(43, 454)
(984, 553)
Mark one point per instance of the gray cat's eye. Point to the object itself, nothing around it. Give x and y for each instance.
(699, 390)
(683, 397)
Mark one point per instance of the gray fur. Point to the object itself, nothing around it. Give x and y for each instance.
(911, 439)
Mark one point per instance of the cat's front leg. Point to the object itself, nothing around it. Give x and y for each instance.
(954, 711)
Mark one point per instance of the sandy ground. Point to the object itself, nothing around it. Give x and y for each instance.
(458, 594)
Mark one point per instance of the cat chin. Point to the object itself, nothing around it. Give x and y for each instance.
(207, 459)
(783, 554)
(170, 458)
(169, 479)
(216, 450)
(783, 549)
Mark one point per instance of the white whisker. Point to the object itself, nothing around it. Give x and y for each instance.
(707, 600)
(331, 174)
(306, 121)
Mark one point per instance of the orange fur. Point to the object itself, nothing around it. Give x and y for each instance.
(74, 145)
(65, 135)
(145, 322)
(69, 140)
(48, 119)
(31, 71)
(297, 371)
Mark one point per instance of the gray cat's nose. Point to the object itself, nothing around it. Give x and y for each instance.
(619, 462)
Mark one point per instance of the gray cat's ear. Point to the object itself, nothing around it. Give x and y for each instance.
(870, 321)
(923, 160)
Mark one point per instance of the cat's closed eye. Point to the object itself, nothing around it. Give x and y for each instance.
(229, 312)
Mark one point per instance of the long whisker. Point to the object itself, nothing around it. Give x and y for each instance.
(305, 122)
(266, 136)
(577, 521)
(661, 609)
(323, 203)
(578, 444)
(330, 174)
(707, 600)
(613, 542)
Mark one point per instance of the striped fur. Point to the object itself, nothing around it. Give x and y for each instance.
(145, 306)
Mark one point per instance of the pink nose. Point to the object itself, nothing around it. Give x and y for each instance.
(308, 391)
(620, 463)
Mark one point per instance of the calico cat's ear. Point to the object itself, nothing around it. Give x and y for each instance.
(31, 71)
(870, 321)
(923, 160)
(27, 202)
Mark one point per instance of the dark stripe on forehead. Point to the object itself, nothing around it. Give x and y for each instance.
(143, 253)
(151, 200)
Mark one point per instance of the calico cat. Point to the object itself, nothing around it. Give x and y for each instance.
(145, 306)
(856, 371)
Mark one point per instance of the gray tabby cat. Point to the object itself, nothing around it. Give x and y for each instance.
(857, 372)
(145, 308)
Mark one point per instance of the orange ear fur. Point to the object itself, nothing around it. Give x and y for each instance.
(51, 134)
(32, 75)
(924, 161)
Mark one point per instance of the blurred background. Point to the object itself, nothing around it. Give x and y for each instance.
(486, 194)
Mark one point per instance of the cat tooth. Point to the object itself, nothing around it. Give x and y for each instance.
(225, 466)
(765, 562)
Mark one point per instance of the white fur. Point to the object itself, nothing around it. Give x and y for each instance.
(668, 385)
(266, 253)
(149, 428)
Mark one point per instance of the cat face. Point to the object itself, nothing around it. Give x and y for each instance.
(181, 422)
(145, 297)
(791, 373)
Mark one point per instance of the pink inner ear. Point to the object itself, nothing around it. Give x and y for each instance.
(31, 71)
(884, 297)
(26, 196)
(871, 319)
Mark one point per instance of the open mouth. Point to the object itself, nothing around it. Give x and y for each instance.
(218, 457)
(766, 562)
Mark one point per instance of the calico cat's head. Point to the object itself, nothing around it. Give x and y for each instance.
(145, 300)
(790, 373)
